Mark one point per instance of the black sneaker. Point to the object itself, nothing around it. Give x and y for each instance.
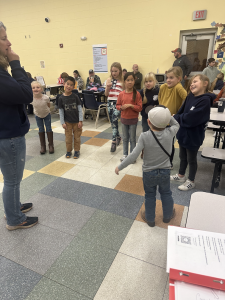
(76, 154)
(68, 154)
(26, 207)
(151, 224)
(118, 141)
(168, 220)
(113, 147)
(29, 222)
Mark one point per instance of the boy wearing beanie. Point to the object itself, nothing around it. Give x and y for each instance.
(157, 145)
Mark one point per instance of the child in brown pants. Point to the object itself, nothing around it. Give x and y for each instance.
(71, 117)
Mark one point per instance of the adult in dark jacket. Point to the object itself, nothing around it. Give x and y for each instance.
(30, 110)
(96, 78)
(183, 62)
(15, 94)
(138, 77)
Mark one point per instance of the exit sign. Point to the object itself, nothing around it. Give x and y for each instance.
(199, 15)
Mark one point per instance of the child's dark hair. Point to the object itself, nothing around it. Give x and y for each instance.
(76, 72)
(70, 78)
(134, 90)
(210, 60)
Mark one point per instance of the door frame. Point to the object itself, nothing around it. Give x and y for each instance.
(202, 32)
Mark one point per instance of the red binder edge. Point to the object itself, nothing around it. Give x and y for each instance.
(202, 280)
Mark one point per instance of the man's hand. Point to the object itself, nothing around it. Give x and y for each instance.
(11, 55)
(80, 124)
(185, 77)
(64, 125)
(117, 171)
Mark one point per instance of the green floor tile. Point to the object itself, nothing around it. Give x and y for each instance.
(31, 133)
(82, 266)
(33, 184)
(106, 229)
(50, 290)
(39, 162)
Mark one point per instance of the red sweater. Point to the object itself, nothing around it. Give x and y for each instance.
(127, 98)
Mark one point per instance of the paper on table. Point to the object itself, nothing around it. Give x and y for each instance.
(196, 251)
(187, 291)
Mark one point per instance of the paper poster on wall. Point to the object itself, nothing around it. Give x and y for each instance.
(100, 58)
(42, 63)
(220, 55)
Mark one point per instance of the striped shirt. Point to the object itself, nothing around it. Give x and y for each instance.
(116, 88)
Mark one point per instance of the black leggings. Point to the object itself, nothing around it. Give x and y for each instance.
(188, 157)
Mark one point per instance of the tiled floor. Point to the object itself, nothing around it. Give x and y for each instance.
(91, 242)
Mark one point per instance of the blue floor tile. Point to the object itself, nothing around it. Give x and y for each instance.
(16, 281)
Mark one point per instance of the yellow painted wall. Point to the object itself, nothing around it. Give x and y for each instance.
(142, 32)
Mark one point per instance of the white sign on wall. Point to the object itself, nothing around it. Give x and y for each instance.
(199, 15)
(100, 58)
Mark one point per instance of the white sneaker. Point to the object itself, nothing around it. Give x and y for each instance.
(177, 178)
(122, 158)
(188, 185)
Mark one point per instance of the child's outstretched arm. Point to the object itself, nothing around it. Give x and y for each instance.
(132, 156)
(174, 126)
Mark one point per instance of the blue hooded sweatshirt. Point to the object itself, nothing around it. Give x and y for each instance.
(193, 117)
(15, 92)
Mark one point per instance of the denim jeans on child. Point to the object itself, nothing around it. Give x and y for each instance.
(12, 161)
(129, 134)
(152, 179)
(145, 126)
(114, 115)
(40, 123)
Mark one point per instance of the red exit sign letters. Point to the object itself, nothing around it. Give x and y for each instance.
(199, 15)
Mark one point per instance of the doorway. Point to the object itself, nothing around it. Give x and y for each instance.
(198, 46)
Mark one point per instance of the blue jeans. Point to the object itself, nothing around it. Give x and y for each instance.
(145, 126)
(40, 123)
(152, 179)
(114, 115)
(129, 134)
(12, 161)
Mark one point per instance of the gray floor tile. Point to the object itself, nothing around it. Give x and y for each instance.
(31, 134)
(28, 157)
(146, 243)
(106, 229)
(130, 278)
(82, 267)
(94, 195)
(59, 136)
(68, 217)
(62, 188)
(40, 248)
(10, 239)
(16, 282)
(104, 135)
(47, 289)
(123, 204)
(166, 292)
(33, 184)
(84, 139)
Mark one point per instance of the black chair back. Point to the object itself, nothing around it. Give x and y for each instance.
(90, 101)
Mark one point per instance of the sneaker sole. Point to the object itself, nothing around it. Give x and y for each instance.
(10, 228)
(185, 190)
(182, 180)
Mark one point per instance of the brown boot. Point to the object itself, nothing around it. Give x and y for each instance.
(50, 142)
(42, 141)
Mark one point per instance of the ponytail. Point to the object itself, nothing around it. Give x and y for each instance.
(144, 101)
(134, 94)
